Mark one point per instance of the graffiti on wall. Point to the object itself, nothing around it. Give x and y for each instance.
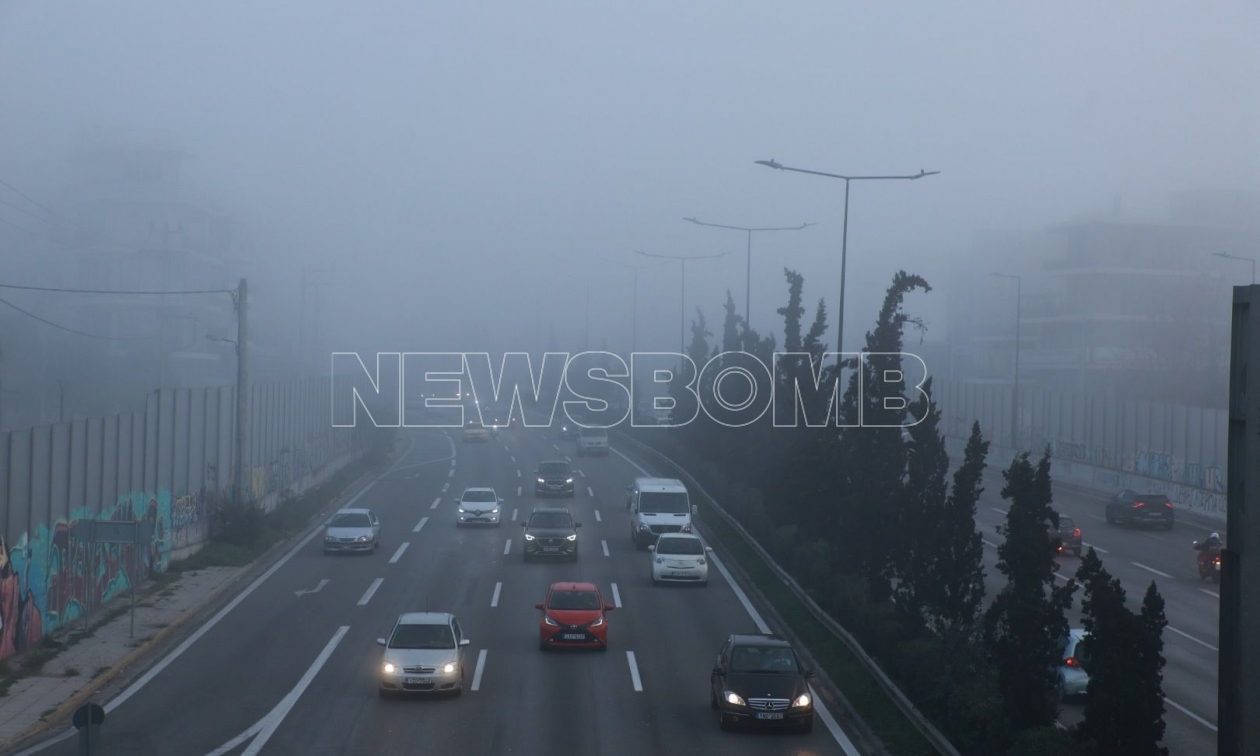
(51, 576)
(1147, 463)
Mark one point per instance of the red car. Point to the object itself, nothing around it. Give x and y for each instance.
(574, 615)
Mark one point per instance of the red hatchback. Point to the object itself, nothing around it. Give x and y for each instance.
(574, 615)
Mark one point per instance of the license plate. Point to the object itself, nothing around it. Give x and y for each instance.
(770, 715)
(573, 636)
(678, 575)
(415, 681)
(551, 549)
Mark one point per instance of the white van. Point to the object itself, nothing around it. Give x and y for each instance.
(657, 505)
(592, 441)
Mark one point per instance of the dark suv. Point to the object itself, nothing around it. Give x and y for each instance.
(758, 679)
(553, 478)
(1068, 538)
(1129, 507)
(551, 533)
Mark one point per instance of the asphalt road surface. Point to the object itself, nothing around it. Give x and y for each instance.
(1138, 555)
(288, 667)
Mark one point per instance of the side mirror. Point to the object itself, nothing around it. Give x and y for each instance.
(380, 641)
(577, 524)
(809, 674)
(695, 509)
(464, 642)
(538, 606)
(500, 499)
(708, 549)
(651, 547)
(717, 671)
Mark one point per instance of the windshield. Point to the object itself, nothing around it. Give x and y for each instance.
(350, 520)
(679, 546)
(555, 469)
(594, 433)
(763, 659)
(574, 600)
(656, 502)
(551, 520)
(480, 495)
(422, 636)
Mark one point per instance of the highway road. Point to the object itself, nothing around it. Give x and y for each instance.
(1137, 555)
(288, 666)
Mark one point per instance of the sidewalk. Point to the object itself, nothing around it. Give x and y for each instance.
(89, 661)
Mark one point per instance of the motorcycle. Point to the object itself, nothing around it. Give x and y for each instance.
(1209, 564)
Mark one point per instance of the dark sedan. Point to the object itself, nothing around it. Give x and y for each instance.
(1131, 508)
(758, 679)
(553, 478)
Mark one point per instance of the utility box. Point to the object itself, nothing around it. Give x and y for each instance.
(1238, 691)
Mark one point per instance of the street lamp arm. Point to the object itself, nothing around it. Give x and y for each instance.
(751, 228)
(779, 166)
(679, 257)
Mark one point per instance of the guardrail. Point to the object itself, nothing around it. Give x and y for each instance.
(925, 727)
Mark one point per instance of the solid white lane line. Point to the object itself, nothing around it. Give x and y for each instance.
(420, 524)
(156, 669)
(1151, 569)
(833, 727)
(616, 596)
(590, 492)
(597, 517)
(635, 680)
(398, 554)
(507, 547)
(1188, 636)
(1189, 713)
(604, 543)
(481, 667)
(435, 503)
(371, 591)
(494, 600)
(271, 722)
(1211, 593)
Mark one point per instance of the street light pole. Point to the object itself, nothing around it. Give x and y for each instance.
(682, 289)
(749, 230)
(241, 374)
(1251, 260)
(844, 243)
(1019, 287)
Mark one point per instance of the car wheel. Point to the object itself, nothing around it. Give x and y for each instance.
(712, 699)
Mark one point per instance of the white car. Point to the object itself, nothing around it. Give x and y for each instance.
(352, 530)
(423, 654)
(479, 506)
(680, 558)
(1073, 677)
(592, 441)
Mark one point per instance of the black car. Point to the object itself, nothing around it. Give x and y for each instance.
(551, 533)
(1068, 538)
(553, 478)
(758, 679)
(1130, 507)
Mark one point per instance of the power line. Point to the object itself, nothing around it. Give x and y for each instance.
(21, 209)
(62, 290)
(27, 197)
(67, 329)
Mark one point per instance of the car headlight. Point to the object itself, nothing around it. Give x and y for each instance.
(686, 528)
(461, 510)
(549, 621)
(328, 537)
(701, 561)
(494, 511)
(568, 480)
(528, 537)
(597, 622)
(801, 701)
(388, 668)
(540, 480)
(572, 537)
(733, 698)
(449, 669)
(660, 560)
(361, 539)
(645, 527)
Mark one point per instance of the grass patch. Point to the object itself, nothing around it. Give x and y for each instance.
(862, 690)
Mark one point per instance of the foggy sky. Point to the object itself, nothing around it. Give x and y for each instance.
(464, 165)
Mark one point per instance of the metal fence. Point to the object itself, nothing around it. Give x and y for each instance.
(1182, 447)
(170, 466)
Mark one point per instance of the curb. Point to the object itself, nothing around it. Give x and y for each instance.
(211, 604)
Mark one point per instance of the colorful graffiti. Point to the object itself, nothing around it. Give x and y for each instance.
(53, 576)
(1147, 463)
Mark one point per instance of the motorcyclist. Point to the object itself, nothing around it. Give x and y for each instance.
(1210, 544)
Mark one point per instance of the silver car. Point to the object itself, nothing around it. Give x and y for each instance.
(479, 506)
(354, 530)
(423, 654)
(1073, 679)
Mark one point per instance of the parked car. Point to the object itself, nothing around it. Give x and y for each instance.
(1130, 507)
(592, 441)
(758, 679)
(352, 530)
(1068, 538)
(680, 558)
(1073, 676)
(574, 615)
(423, 654)
(554, 477)
(479, 506)
(551, 532)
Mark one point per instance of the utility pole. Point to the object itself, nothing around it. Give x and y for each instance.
(682, 289)
(1019, 288)
(242, 335)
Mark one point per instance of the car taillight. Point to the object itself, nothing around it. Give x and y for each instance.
(1216, 559)
(1139, 505)
(1076, 532)
(1071, 662)
(1168, 505)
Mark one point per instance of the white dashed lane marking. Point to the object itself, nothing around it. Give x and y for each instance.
(371, 591)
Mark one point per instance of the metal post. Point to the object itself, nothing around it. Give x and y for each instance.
(634, 318)
(682, 306)
(844, 255)
(242, 332)
(748, 283)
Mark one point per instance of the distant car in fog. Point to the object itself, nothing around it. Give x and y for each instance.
(475, 431)
(554, 477)
(479, 505)
(352, 530)
(1068, 537)
(1130, 507)
(592, 441)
